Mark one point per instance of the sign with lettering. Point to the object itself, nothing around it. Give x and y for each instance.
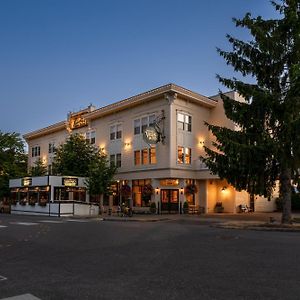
(68, 181)
(169, 182)
(151, 135)
(26, 181)
(77, 121)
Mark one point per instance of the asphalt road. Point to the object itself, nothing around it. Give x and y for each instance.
(92, 259)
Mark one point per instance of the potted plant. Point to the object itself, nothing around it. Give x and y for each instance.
(219, 207)
(191, 189)
(32, 202)
(126, 191)
(185, 207)
(152, 207)
(42, 202)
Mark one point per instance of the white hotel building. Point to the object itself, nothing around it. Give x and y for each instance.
(169, 165)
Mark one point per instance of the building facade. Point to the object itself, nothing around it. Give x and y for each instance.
(171, 165)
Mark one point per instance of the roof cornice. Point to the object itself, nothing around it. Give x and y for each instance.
(50, 129)
(149, 95)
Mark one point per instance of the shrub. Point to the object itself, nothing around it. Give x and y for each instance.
(153, 207)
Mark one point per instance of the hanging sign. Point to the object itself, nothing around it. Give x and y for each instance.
(151, 135)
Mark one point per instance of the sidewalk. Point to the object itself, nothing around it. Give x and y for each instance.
(250, 221)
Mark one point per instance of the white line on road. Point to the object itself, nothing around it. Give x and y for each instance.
(23, 223)
(2, 278)
(49, 221)
(78, 221)
(2, 226)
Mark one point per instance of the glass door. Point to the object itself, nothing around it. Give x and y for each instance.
(169, 200)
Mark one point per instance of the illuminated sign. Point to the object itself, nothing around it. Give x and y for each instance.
(169, 182)
(70, 181)
(26, 181)
(77, 121)
(151, 135)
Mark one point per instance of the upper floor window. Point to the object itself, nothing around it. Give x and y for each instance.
(90, 137)
(36, 151)
(142, 123)
(115, 132)
(145, 156)
(184, 155)
(184, 122)
(116, 160)
(51, 148)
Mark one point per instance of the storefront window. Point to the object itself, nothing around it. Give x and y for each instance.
(139, 199)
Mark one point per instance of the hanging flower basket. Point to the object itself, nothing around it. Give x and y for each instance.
(126, 191)
(191, 189)
(147, 190)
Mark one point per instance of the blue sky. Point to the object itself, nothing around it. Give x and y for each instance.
(58, 56)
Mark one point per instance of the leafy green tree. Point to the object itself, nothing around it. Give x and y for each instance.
(39, 169)
(74, 157)
(101, 175)
(266, 146)
(13, 160)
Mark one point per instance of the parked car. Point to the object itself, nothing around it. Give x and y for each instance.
(4, 207)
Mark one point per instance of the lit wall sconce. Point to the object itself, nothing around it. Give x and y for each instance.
(157, 190)
(102, 149)
(181, 190)
(127, 144)
(224, 188)
(201, 143)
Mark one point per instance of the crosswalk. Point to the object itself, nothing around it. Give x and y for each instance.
(39, 222)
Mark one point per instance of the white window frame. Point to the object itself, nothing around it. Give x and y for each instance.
(144, 121)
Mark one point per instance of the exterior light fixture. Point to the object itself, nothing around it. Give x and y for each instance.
(224, 188)
(201, 143)
(157, 190)
(127, 144)
(181, 191)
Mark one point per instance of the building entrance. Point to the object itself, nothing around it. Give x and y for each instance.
(169, 200)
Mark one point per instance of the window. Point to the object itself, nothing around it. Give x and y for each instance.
(139, 199)
(152, 155)
(145, 160)
(118, 160)
(141, 124)
(115, 132)
(51, 147)
(90, 137)
(184, 155)
(137, 126)
(115, 160)
(184, 122)
(36, 151)
(145, 156)
(137, 157)
(112, 160)
(180, 155)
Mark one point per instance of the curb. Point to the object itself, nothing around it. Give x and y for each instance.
(257, 228)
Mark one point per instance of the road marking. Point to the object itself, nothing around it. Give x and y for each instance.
(50, 221)
(23, 223)
(78, 221)
(2, 278)
(22, 297)
(2, 226)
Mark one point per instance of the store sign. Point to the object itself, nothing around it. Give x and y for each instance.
(77, 121)
(26, 181)
(70, 181)
(169, 182)
(151, 135)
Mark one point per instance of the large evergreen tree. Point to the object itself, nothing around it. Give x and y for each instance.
(39, 168)
(265, 147)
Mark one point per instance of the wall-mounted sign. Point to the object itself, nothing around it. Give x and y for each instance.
(151, 135)
(68, 181)
(26, 181)
(77, 121)
(169, 182)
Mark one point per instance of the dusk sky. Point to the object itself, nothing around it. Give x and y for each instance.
(58, 56)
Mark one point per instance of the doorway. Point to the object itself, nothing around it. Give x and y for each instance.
(169, 200)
